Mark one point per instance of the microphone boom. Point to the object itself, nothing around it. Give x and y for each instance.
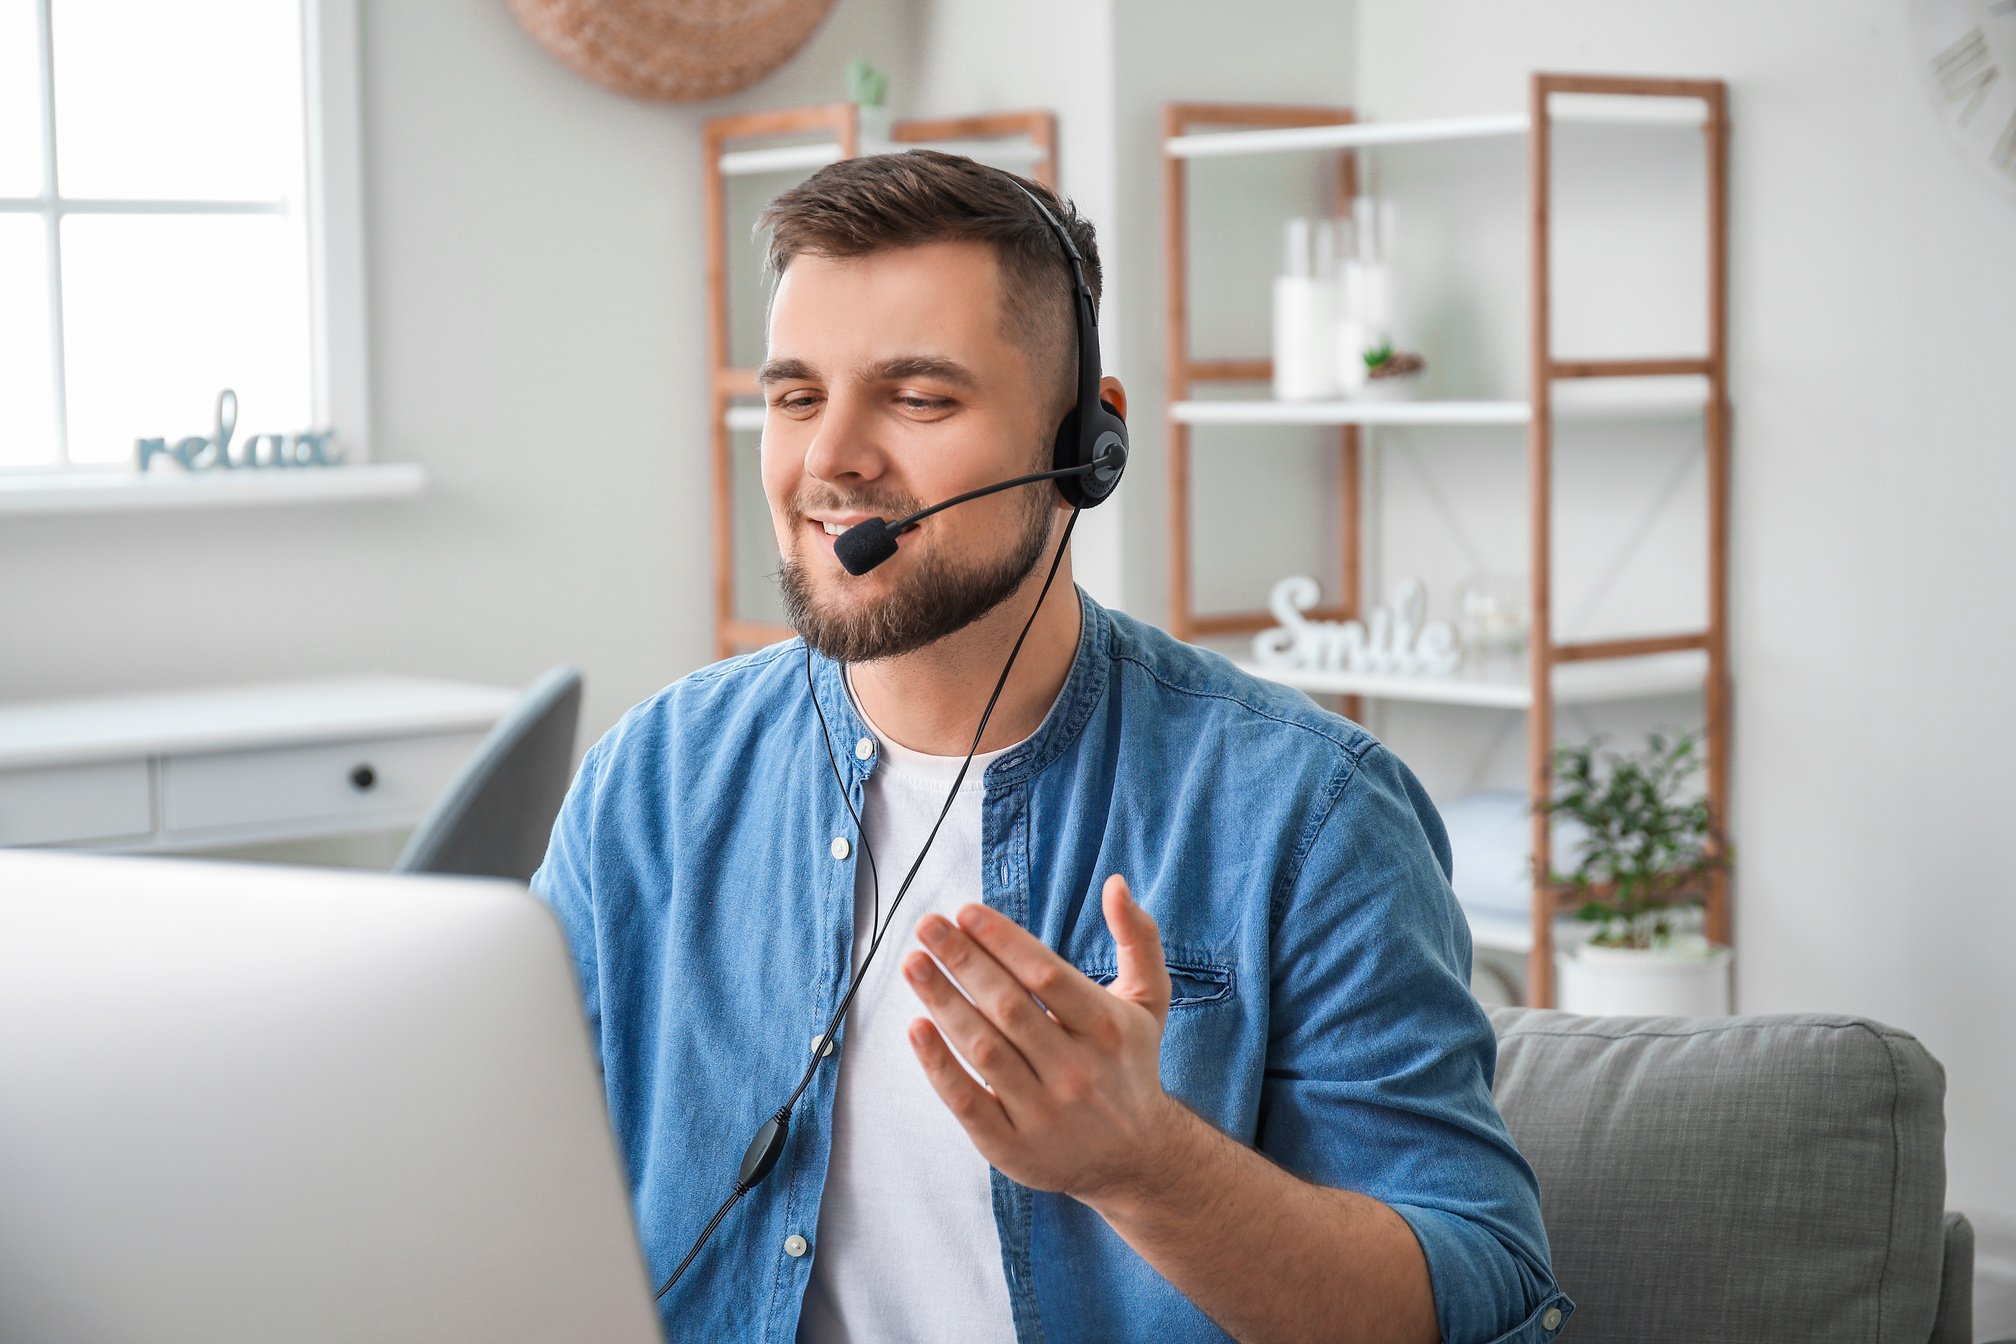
(871, 541)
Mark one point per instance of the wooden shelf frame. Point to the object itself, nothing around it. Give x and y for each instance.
(1179, 123)
(1700, 104)
(723, 156)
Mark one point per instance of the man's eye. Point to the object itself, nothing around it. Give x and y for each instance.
(795, 403)
(924, 403)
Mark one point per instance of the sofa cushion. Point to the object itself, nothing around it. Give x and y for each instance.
(1760, 1177)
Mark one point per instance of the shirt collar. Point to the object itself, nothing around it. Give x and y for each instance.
(1082, 688)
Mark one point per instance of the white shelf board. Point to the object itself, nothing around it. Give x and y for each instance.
(1503, 684)
(1499, 932)
(745, 417)
(1651, 398)
(1247, 411)
(1582, 108)
(778, 158)
(785, 158)
(86, 491)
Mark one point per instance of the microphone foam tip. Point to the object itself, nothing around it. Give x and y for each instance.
(865, 545)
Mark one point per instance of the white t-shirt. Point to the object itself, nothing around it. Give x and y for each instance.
(906, 1247)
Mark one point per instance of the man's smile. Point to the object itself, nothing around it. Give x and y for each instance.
(825, 529)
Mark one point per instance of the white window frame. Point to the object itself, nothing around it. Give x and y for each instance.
(332, 201)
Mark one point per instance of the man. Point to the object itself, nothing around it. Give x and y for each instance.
(1170, 1034)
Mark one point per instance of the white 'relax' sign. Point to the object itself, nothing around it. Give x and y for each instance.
(1395, 642)
(196, 453)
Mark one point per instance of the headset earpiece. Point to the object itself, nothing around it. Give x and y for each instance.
(1094, 438)
(1101, 440)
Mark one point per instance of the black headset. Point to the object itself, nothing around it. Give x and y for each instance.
(1092, 440)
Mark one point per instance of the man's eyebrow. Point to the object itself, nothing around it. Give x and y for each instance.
(783, 370)
(926, 366)
(889, 370)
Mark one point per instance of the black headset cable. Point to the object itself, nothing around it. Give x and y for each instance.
(768, 1145)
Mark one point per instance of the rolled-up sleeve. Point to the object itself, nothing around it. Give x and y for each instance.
(1380, 1061)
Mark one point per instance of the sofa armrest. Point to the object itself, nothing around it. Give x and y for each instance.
(1954, 1321)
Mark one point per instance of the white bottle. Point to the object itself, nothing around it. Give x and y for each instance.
(1305, 315)
(1365, 301)
(1352, 338)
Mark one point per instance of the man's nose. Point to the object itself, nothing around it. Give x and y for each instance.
(844, 445)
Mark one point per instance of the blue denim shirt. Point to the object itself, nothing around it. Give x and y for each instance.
(1300, 876)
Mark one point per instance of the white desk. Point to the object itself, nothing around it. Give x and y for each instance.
(230, 765)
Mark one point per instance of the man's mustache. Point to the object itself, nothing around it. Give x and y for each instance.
(891, 506)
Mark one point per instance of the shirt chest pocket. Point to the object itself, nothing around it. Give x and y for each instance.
(1211, 1045)
(1194, 982)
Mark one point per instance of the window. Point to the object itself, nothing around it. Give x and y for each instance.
(178, 215)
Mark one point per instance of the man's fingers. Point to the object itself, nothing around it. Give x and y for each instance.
(993, 1055)
(979, 1111)
(1070, 997)
(1143, 975)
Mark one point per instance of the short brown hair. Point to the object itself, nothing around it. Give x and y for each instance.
(864, 205)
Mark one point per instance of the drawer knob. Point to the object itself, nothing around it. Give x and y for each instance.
(362, 778)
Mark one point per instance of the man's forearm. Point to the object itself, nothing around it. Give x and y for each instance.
(1269, 1256)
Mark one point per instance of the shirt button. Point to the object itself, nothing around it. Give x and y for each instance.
(821, 1046)
(865, 748)
(794, 1246)
(841, 849)
(1551, 1318)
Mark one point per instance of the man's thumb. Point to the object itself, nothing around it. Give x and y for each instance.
(1142, 976)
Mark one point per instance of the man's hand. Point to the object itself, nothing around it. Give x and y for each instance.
(1074, 1104)
(1074, 1100)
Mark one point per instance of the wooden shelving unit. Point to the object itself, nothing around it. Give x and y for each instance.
(1023, 141)
(1553, 673)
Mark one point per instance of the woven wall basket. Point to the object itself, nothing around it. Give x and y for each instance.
(671, 50)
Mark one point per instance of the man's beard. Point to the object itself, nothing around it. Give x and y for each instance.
(934, 599)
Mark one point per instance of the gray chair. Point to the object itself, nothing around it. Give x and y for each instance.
(497, 814)
(1740, 1178)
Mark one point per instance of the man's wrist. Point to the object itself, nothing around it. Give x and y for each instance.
(1172, 1150)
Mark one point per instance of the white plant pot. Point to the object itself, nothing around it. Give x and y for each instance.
(1688, 980)
(874, 125)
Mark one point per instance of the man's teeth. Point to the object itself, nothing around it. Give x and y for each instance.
(834, 529)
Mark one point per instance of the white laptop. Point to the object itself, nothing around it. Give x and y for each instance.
(247, 1102)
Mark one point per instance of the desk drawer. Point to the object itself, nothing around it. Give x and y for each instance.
(59, 804)
(392, 780)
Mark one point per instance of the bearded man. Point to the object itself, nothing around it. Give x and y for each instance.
(1169, 1036)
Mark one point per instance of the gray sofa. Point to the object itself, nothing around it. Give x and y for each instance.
(1740, 1178)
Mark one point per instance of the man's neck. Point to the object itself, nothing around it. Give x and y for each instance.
(931, 700)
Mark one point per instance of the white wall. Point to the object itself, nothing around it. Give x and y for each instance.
(1873, 284)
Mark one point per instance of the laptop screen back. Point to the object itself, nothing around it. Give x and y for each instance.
(248, 1102)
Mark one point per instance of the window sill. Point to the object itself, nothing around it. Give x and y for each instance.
(123, 491)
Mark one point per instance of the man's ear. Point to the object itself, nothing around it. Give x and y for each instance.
(1110, 390)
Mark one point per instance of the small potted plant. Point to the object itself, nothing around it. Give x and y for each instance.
(866, 88)
(1644, 868)
(1390, 375)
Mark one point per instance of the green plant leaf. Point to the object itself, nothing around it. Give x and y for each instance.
(865, 84)
(1648, 843)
